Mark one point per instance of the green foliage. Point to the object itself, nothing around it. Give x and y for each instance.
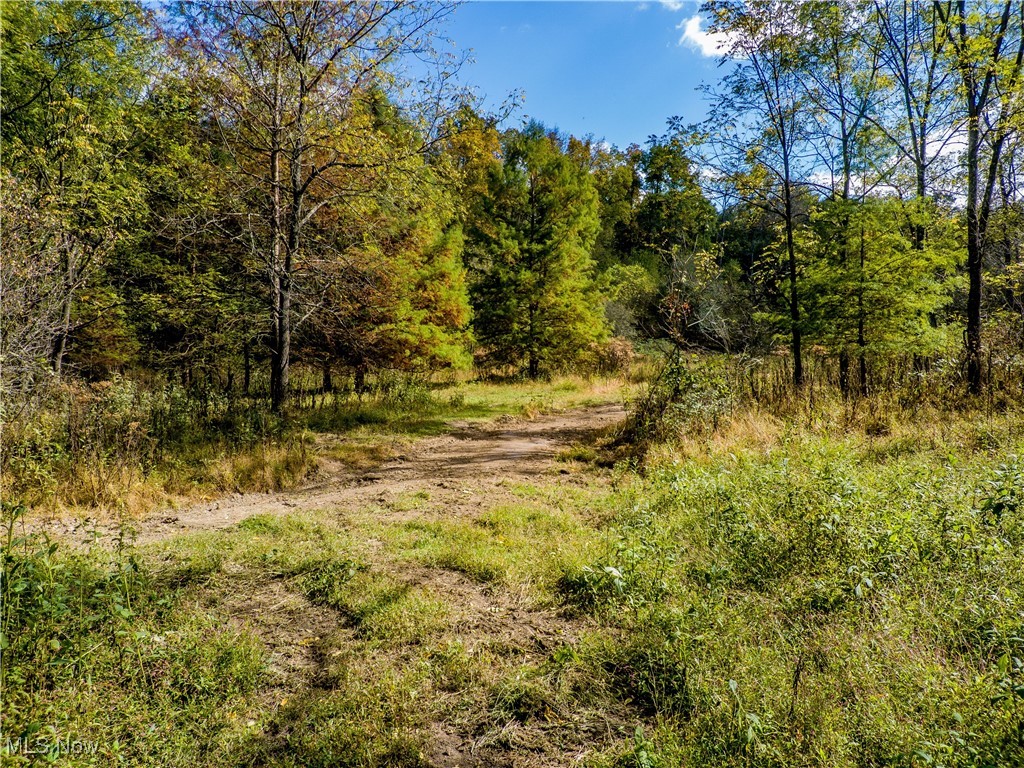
(1003, 493)
(92, 645)
(74, 74)
(618, 181)
(870, 291)
(397, 298)
(534, 295)
(687, 396)
(818, 604)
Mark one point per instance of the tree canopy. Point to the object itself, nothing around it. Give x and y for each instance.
(212, 191)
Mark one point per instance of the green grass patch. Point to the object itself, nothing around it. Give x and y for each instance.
(362, 720)
(526, 545)
(99, 650)
(824, 603)
(419, 409)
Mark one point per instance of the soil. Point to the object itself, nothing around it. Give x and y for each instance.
(460, 469)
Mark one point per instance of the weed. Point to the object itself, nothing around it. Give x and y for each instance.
(92, 646)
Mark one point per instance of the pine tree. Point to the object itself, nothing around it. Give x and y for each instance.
(390, 286)
(870, 294)
(535, 301)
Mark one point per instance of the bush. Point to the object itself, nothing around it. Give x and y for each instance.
(684, 397)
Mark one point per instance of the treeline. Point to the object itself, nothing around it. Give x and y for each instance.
(226, 188)
(213, 193)
(866, 156)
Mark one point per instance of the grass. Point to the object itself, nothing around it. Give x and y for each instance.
(795, 597)
(834, 585)
(419, 410)
(508, 544)
(118, 449)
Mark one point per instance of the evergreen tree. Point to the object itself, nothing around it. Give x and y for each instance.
(871, 293)
(535, 300)
(395, 297)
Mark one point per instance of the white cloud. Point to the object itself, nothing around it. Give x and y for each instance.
(695, 36)
(673, 5)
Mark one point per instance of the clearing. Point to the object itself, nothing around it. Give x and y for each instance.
(463, 471)
(423, 591)
(810, 591)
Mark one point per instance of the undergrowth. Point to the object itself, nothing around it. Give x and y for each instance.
(101, 663)
(827, 583)
(123, 447)
(805, 598)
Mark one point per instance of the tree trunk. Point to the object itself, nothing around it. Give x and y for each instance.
(794, 305)
(282, 354)
(327, 385)
(844, 373)
(246, 368)
(972, 336)
(862, 358)
(922, 190)
(280, 288)
(861, 320)
(60, 343)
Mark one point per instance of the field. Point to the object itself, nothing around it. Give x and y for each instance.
(505, 585)
(368, 397)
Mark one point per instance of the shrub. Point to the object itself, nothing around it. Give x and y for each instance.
(684, 397)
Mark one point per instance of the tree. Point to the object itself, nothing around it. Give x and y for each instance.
(73, 77)
(296, 93)
(842, 88)
(874, 289)
(757, 135)
(530, 237)
(987, 49)
(617, 180)
(31, 300)
(186, 279)
(398, 298)
(918, 115)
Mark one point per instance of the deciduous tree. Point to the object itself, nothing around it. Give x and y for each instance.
(298, 90)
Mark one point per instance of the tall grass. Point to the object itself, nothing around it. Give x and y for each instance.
(689, 396)
(814, 580)
(124, 447)
(102, 663)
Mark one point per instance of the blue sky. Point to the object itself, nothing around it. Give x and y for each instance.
(616, 70)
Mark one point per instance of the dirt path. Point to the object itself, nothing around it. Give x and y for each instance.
(459, 468)
(463, 473)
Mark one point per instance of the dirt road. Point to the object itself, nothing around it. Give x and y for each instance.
(460, 468)
(463, 473)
